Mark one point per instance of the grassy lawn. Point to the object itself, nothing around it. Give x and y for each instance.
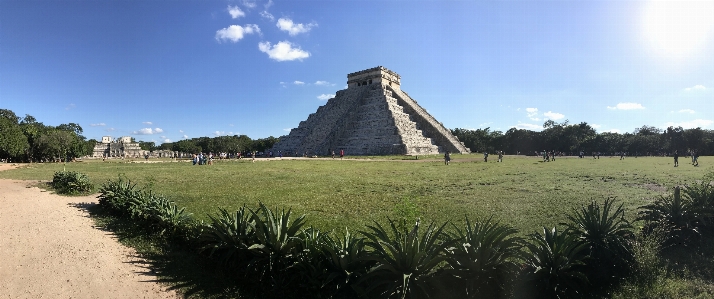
(522, 191)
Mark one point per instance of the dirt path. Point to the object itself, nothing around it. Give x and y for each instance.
(49, 248)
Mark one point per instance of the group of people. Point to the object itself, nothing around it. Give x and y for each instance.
(693, 153)
(202, 159)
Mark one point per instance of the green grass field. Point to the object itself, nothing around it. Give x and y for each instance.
(522, 191)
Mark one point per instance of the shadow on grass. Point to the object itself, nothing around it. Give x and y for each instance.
(167, 261)
(695, 260)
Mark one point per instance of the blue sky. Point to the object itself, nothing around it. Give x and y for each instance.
(167, 70)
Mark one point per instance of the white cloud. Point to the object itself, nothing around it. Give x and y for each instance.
(690, 111)
(697, 123)
(613, 131)
(485, 124)
(299, 83)
(553, 115)
(532, 113)
(70, 106)
(110, 129)
(235, 12)
(219, 133)
(283, 51)
(268, 5)
(287, 130)
(325, 97)
(596, 126)
(696, 88)
(147, 123)
(323, 83)
(180, 131)
(249, 4)
(185, 136)
(626, 106)
(234, 33)
(293, 29)
(148, 131)
(266, 15)
(531, 127)
(163, 137)
(167, 140)
(98, 125)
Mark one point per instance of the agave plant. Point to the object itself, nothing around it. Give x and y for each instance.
(115, 196)
(680, 216)
(311, 264)
(486, 260)
(346, 257)
(608, 237)
(167, 215)
(277, 244)
(405, 261)
(554, 264)
(229, 235)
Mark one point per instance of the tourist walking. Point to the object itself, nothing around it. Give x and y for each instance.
(447, 158)
(676, 158)
(500, 156)
(485, 156)
(695, 158)
(342, 154)
(333, 154)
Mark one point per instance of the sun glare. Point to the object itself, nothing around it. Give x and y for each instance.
(678, 27)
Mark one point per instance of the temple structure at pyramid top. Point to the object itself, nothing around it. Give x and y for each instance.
(373, 116)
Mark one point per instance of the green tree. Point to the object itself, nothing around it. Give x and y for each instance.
(13, 142)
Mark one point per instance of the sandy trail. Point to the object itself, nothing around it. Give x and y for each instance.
(49, 248)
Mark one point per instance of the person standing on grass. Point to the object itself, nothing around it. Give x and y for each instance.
(695, 158)
(500, 156)
(333, 154)
(342, 154)
(447, 158)
(676, 158)
(485, 156)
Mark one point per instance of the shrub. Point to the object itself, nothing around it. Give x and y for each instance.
(608, 237)
(116, 196)
(71, 182)
(682, 217)
(486, 259)
(229, 236)
(277, 243)
(554, 265)
(346, 259)
(405, 261)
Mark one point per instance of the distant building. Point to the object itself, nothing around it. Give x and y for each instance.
(122, 147)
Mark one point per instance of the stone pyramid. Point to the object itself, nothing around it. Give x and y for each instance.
(373, 116)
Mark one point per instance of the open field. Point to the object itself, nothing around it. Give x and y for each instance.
(522, 191)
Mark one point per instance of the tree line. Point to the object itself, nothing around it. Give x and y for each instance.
(571, 139)
(220, 144)
(24, 139)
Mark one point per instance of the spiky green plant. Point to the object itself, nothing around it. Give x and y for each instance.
(554, 264)
(486, 259)
(608, 236)
(681, 217)
(229, 235)
(405, 261)
(346, 257)
(316, 278)
(116, 196)
(277, 245)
